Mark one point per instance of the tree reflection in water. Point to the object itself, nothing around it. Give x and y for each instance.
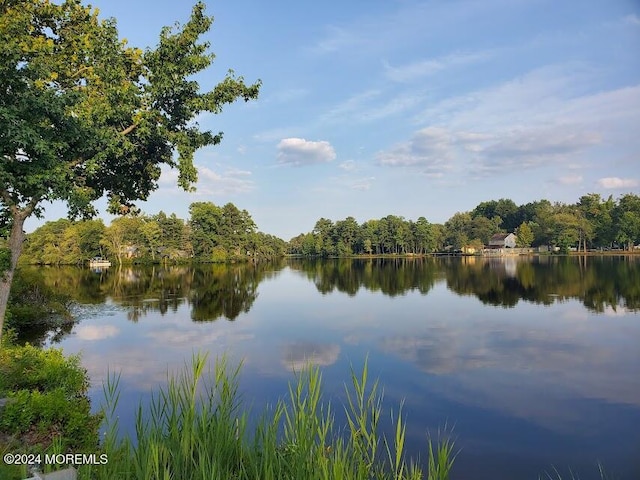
(608, 283)
(601, 283)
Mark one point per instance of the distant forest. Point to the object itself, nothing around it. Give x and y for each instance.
(591, 223)
(223, 234)
(212, 234)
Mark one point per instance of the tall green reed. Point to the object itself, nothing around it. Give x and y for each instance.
(196, 428)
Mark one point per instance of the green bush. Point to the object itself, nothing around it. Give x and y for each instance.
(219, 255)
(30, 368)
(47, 401)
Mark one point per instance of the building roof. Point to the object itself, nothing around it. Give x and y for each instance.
(499, 236)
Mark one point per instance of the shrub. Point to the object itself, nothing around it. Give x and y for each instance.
(31, 368)
(47, 400)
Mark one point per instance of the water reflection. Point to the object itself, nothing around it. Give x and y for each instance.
(222, 291)
(608, 285)
(550, 380)
(211, 291)
(601, 283)
(298, 355)
(391, 277)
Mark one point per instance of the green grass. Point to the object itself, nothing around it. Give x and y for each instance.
(556, 475)
(197, 428)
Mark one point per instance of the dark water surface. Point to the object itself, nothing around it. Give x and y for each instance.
(535, 361)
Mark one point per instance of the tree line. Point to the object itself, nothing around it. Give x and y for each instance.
(593, 222)
(225, 233)
(212, 234)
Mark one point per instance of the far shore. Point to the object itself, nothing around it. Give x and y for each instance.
(477, 254)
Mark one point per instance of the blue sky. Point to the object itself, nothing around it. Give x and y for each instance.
(407, 107)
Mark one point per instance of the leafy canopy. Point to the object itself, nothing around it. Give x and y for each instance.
(82, 114)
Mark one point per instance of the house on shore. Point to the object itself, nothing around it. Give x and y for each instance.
(503, 240)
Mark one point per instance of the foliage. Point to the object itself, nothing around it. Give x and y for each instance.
(47, 401)
(626, 214)
(83, 115)
(64, 242)
(184, 434)
(222, 234)
(388, 235)
(31, 368)
(441, 460)
(524, 235)
(36, 307)
(590, 223)
(504, 209)
(212, 234)
(86, 115)
(556, 475)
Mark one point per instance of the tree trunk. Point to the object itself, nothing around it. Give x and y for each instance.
(16, 240)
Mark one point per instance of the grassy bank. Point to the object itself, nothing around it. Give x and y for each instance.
(197, 427)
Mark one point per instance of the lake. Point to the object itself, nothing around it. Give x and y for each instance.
(534, 361)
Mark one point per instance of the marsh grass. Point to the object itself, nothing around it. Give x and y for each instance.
(556, 475)
(196, 428)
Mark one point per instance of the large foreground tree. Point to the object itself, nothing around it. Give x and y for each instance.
(83, 115)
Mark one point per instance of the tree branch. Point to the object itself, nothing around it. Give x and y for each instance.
(86, 67)
(129, 129)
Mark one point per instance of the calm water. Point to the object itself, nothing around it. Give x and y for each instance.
(535, 361)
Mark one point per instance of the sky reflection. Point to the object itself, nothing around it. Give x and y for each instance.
(509, 378)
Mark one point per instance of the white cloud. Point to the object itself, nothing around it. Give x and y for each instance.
(299, 152)
(231, 182)
(237, 172)
(535, 98)
(429, 147)
(441, 149)
(398, 104)
(540, 119)
(369, 106)
(533, 147)
(613, 183)
(228, 183)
